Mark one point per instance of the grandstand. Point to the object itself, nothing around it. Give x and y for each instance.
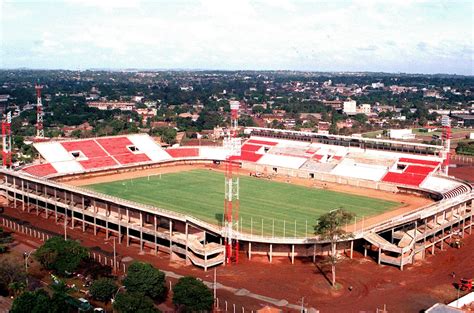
(335, 161)
(365, 163)
(81, 156)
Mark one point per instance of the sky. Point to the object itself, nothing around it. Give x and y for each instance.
(409, 36)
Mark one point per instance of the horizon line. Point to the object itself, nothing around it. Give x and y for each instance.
(177, 69)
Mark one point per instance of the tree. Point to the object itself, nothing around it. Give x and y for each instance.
(144, 278)
(361, 118)
(167, 134)
(103, 289)
(5, 239)
(77, 133)
(60, 255)
(191, 295)
(134, 302)
(258, 109)
(329, 227)
(12, 273)
(37, 301)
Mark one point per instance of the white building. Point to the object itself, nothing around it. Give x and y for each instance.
(377, 85)
(350, 107)
(365, 109)
(401, 134)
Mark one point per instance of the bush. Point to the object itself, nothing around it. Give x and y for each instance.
(60, 255)
(191, 295)
(144, 278)
(134, 302)
(37, 301)
(103, 289)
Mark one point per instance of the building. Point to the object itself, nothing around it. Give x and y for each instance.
(365, 109)
(401, 134)
(350, 107)
(466, 120)
(378, 85)
(336, 104)
(112, 105)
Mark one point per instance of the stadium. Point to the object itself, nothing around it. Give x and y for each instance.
(171, 200)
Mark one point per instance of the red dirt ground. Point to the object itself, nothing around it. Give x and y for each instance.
(463, 169)
(414, 289)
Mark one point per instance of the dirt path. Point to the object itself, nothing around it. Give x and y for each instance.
(407, 202)
(416, 288)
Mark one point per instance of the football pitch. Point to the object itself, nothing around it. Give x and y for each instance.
(266, 207)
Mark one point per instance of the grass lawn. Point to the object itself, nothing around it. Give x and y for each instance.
(278, 206)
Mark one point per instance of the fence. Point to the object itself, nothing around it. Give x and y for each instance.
(463, 159)
(43, 236)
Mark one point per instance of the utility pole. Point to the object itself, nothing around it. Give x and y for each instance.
(115, 258)
(27, 256)
(215, 283)
(303, 310)
(65, 224)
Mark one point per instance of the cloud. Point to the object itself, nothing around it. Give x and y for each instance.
(240, 34)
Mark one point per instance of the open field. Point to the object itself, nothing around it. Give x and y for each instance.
(266, 206)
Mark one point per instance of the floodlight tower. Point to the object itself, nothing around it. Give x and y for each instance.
(39, 113)
(231, 202)
(446, 123)
(7, 141)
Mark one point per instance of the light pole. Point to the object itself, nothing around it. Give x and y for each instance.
(65, 224)
(115, 255)
(113, 299)
(26, 256)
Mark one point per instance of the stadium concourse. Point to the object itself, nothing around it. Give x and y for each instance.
(378, 169)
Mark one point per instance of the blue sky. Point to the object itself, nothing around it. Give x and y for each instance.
(414, 36)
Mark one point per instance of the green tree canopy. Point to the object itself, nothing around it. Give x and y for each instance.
(60, 255)
(12, 271)
(134, 302)
(40, 301)
(37, 301)
(144, 278)
(191, 295)
(103, 289)
(167, 134)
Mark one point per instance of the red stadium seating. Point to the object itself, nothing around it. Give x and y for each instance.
(413, 175)
(116, 145)
(262, 142)
(132, 158)
(183, 152)
(88, 147)
(247, 156)
(118, 148)
(422, 170)
(416, 161)
(98, 162)
(251, 148)
(40, 169)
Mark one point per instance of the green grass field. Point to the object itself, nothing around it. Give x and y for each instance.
(277, 206)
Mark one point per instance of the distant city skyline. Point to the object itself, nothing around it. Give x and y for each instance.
(412, 36)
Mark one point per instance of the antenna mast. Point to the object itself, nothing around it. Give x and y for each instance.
(446, 123)
(39, 113)
(7, 141)
(231, 202)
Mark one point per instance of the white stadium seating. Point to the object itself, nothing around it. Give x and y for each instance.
(350, 168)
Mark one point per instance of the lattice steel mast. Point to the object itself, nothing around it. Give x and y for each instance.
(7, 141)
(446, 123)
(39, 113)
(231, 202)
